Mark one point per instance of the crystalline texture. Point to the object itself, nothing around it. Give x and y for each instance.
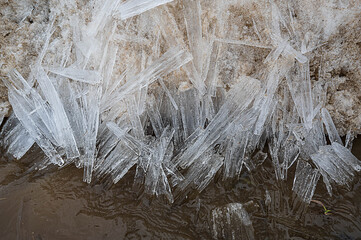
(237, 101)
(170, 61)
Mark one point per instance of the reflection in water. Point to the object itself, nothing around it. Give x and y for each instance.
(56, 204)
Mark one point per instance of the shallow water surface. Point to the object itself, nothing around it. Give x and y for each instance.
(56, 204)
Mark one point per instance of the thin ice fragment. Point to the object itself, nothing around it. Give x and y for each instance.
(86, 76)
(305, 181)
(15, 140)
(336, 164)
(202, 171)
(330, 127)
(132, 8)
(232, 222)
(192, 16)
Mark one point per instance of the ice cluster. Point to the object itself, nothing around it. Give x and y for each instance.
(172, 119)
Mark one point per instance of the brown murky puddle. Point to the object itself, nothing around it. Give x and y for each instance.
(58, 205)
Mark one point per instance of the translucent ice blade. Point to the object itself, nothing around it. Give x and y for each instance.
(155, 117)
(201, 172)
(166, 90)
(267, 103)
(211, 77)
(330, 127)
(134, 118)
(333, 168)
(299, 84)
(34, 114)
(192, 16)
(101, 17)
(305, 180)
(86, 76)
(232, 222)
(14, 138)
(296, 54)
(91, 111)
(235, 155)
(132, 8)
(190, 111)
(156, 181)
(131, 142)
(195, 77)
(346, 156)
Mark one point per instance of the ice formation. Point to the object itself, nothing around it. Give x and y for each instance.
(232, 222)
(171, 118)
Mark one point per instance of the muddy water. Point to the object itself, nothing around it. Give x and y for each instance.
(56, 204)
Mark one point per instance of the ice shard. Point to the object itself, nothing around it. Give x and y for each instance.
(86, 76)
(336, 165)
(132, 8)
(305, 181)
(330, 127)
(232, 222)
(15, 140)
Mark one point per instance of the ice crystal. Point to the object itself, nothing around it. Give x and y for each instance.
(169, 113)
